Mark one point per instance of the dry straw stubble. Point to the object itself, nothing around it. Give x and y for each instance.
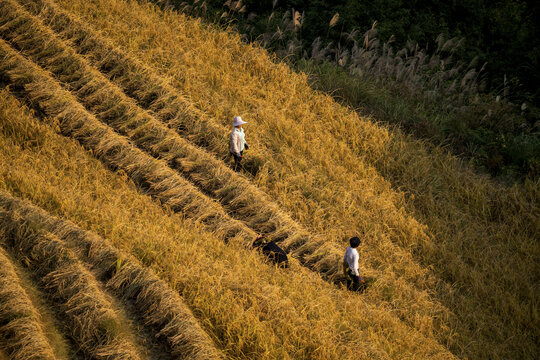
(22, 336)
(90, 320)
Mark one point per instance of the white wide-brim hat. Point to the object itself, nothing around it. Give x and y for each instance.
(238, 121)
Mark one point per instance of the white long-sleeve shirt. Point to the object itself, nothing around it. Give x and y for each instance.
(351, 258)
(238, 140)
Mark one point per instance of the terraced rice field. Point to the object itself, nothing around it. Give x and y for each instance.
(126, 234)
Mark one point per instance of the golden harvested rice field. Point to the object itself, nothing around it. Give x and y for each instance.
(125, 233)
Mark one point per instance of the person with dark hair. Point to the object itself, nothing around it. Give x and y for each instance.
(350, 266)
(269, 248)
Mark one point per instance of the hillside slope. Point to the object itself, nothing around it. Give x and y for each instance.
(250, 308)
(453, 257)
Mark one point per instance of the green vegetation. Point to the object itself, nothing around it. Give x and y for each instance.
(463, 75)
(493, 136)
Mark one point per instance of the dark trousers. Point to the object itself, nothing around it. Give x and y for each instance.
(354, 282)
(237, 161)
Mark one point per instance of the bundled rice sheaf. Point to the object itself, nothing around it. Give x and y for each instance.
(90, 320)
(21, 332)
(162, 308)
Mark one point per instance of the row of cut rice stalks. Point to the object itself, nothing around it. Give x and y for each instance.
(89, 318)
(51, 246)
(239, 197)
(21, 332)
(154, 94)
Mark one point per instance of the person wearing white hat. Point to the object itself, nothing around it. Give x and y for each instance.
(238, 142)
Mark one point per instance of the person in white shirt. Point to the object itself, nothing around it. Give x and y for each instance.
(350, 266)
(238, 142)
